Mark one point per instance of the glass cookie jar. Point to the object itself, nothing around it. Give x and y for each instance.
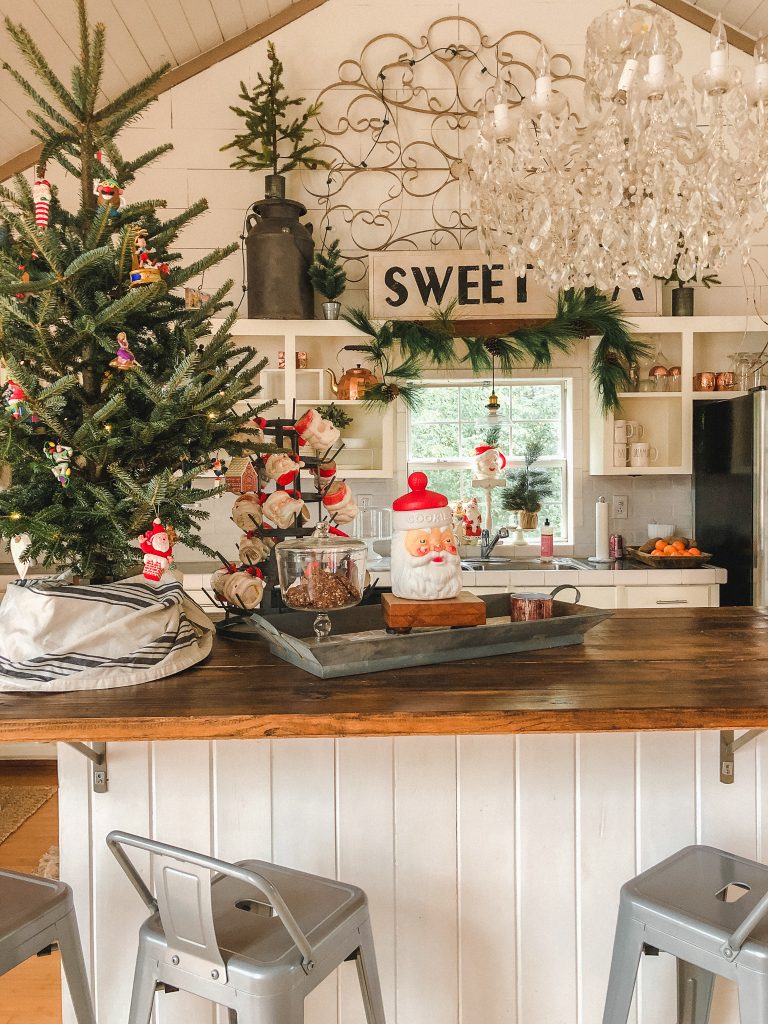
(322, 573)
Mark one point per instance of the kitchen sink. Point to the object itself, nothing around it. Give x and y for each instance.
(500, 563)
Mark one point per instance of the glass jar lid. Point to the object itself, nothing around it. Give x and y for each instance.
(322, 540)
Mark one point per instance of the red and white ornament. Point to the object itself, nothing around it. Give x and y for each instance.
(425, 564)
(41, 196)
(158, 551)
(488, 462)
(282, 467)
(340, 502)
(316, 431)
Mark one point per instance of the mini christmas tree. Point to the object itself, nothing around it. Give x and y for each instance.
(271, 140)
(113, 400)
(528, 487)
(327, 274)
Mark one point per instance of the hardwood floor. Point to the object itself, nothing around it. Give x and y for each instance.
(31, 993)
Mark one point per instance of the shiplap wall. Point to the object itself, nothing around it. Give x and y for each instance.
(492, 863)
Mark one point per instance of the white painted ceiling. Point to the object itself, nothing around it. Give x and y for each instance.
(749, 16)
(141, 35)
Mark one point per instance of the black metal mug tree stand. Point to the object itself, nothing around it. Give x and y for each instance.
(281, 430)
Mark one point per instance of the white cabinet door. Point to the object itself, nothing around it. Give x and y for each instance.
(595, 597)
(667, 597)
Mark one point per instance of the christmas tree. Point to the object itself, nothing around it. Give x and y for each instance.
(115, 393)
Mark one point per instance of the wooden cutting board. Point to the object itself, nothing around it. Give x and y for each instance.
(403, 613)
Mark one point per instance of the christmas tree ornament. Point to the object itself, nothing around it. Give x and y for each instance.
(124, 359)
(316, 431)
(18, 547)
(60, 455)
(41, 196)
(219, 467)
(23, 297)
(282, 467)
(241, 476)
(16, 400)
(280, 508)
(247, 512)
(109, 193)
(425, 559)
(242, 588)
(254, 549)
(158, 551)
(144, 267)
(340, 503)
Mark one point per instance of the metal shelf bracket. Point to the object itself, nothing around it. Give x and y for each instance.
(729, 746)
(97, 755)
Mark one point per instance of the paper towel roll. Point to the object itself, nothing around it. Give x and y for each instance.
(601, 530)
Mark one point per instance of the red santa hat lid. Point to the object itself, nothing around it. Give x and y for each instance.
(420, 507)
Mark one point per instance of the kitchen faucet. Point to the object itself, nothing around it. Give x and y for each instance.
(487, 544)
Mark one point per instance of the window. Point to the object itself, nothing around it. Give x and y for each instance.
(442, 437)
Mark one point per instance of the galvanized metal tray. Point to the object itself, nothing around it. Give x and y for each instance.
(359, 643)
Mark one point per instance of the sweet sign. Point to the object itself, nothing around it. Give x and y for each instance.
(410, 285)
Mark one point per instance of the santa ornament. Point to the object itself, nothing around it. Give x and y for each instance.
(316, 431)
(158, 552)
(487, 462)
(41, 196)
(425, 563)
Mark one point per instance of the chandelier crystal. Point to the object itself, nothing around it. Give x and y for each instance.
(638, 190)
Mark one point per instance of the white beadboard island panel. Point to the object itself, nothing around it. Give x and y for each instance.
(492, 863)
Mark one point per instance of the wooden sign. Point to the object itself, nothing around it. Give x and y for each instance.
(410, 285)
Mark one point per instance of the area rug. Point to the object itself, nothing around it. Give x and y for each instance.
(18, 804)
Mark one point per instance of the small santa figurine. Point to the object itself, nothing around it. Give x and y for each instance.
(316, 431)
(158, 552)
(487, 462)
(473, 519)
(282, 467)
(425, 562)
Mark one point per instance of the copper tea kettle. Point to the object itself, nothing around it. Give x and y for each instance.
(353, 383)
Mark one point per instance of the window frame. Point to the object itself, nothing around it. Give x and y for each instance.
(564, 461)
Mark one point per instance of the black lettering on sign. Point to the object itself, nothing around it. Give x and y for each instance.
(522, 289)
(465, 284)
(489, 283)
(431, 285)
(395, 286)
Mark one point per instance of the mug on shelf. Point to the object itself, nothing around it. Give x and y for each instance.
(635, 430)
(620, 435)
(620, 453)
(704, 381)
(642, 454)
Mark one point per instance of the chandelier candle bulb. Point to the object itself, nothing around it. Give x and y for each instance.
(627, 75)
(761, 60)
(718, 57)
(543, 88)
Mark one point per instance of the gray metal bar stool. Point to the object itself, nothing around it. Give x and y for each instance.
(707, 908)
(251, 936)
(35, 913)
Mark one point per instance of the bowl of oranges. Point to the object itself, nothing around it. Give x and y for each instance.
(670, 553)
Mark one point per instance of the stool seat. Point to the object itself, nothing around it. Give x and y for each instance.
(252, 936)
(707, 908)
(36, 913)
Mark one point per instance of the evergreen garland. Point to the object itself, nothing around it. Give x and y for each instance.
(578, 315)
(140, 436)
(270, 136)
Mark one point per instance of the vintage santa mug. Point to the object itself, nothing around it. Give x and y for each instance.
(340, 503)
(316, 431)
(280, 508)
(282, 467)
(487, 462)
(425, 564)
(247, 511)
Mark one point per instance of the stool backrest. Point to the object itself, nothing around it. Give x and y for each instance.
(184, 901)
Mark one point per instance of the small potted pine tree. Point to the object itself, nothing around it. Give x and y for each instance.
(528, 487)
(279, 247)
(329, 279)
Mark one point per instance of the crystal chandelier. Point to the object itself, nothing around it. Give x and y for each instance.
(638, 190)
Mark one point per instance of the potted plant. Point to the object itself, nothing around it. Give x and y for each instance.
(528, 487)
(682, 295)
(279, 247)
(329, 279)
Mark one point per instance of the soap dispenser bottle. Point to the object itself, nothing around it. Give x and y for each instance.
(547, 542)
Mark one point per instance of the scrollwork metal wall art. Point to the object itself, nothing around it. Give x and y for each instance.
(395, 124)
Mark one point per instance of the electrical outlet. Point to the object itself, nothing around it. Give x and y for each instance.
(619, 506)
(364, 500)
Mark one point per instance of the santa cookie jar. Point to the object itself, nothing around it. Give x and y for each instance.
(158, 553)
(425, 563)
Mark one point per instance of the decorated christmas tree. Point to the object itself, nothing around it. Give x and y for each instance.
(115, 394)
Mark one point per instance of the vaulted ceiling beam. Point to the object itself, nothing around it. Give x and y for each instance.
(183, 72)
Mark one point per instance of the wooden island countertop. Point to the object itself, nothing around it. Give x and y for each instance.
(704, 668)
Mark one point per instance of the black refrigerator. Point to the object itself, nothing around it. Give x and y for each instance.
(730, 477)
